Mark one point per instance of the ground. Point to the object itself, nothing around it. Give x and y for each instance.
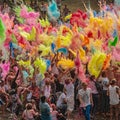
(75, 116)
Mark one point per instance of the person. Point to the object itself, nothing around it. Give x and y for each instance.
(77, 85)
(70, 96)
(95, 95)
(42, 82)
(13, 83)
(114, 93)
(65, 10)
(56, 115)
(54, 112)
(85, 97)
(58, 4)
(31, 4)
(36, 6)
(3, 96)
(58, 84)
(6, 8)
(45, 109)
(15, 104)
(43, 9)
(54, 68)
(47, 88)
(62, 100)
(52, 83)
(35, 93)
(29, 112)
(33, 105)
(105, 97)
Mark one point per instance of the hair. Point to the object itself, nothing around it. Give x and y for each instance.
(46, 74)
(32, 101)
(39, 52)
(103, 74)
(84, 84)
(113, 81)
(28, 106)
(55, 75)
(43, 98)
(92, 77)
(53, 106)
(65, 5)
(33, 84)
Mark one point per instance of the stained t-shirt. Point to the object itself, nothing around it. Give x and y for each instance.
(85, 96)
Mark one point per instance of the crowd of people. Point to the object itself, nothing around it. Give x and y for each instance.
(37, 6)
(60, 92)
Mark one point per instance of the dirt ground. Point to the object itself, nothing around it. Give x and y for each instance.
(75, 116)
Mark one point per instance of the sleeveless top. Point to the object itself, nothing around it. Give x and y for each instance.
(114, 97)
(47, 91)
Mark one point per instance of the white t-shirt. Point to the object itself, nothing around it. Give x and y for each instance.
(61, 99)
(105, 82)
(70, 96)
(85, 96)
(114, 97)
(69, 89)
(38, 79)
(28, 114)
(47, 90)
(29, 96)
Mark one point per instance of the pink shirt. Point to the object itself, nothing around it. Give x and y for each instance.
(93, 87)
(47, 90)
(54, 115)
(28, 114)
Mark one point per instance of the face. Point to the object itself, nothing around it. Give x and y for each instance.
(67, 81)
(46, 75)
(47, 82)
(84, 86)
(33, 84)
